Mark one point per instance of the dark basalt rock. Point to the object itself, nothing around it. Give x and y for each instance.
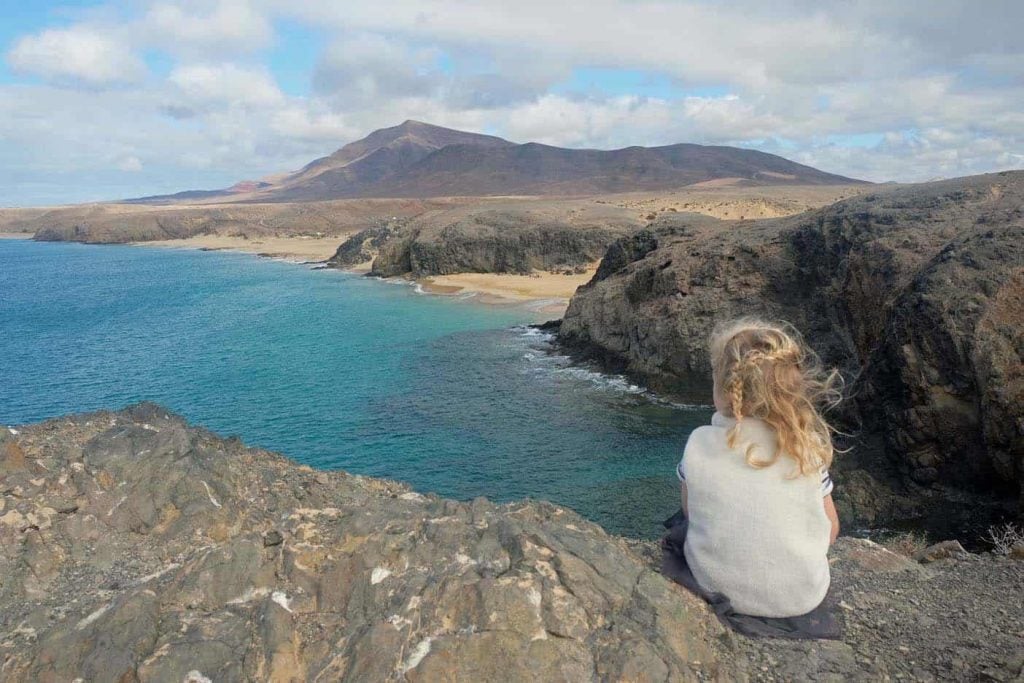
(366, 244)
(914, 292)
(624, 251)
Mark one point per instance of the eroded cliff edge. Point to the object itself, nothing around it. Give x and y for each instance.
(917, 292)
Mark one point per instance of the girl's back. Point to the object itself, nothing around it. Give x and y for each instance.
(755, 485)
(758, 536)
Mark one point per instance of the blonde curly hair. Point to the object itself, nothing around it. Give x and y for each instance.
(766, 371)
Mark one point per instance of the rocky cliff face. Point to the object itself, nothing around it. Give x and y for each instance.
(137, 548)
(515, 237)
(914, 291)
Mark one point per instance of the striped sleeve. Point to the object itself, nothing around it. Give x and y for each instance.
(826, 483)
(679, 472)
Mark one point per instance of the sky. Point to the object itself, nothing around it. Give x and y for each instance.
(105, 100)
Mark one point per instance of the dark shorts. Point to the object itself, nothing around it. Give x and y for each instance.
(820, 623)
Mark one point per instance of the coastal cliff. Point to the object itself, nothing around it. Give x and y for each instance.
(916, 292)
(137, 548)
(497, 237)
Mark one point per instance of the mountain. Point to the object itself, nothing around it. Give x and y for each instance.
(417, 159)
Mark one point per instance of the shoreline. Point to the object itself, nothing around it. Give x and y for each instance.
(545, 293)
(16, 235)
(295, 248)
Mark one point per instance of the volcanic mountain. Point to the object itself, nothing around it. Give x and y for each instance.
(417, 159)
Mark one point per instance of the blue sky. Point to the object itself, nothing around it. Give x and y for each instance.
(102, 100)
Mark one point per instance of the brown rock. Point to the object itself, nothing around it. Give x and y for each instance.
(941, 551)
(870, 557)
(377, 586)
(13, 458)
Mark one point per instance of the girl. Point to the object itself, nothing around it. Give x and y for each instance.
(755, 484)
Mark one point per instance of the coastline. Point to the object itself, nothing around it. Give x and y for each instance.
(300, 249)
(16, 235)
(547, 293)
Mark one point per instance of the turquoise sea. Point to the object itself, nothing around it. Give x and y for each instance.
(336, 371)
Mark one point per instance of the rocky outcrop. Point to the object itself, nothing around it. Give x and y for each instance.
(136, 548)
(914, 291)
(366, 244)
(514, 237)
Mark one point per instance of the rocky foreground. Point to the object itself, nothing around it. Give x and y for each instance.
(917, 292)
(137, 548)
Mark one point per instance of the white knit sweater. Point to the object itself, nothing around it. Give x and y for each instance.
(757, 536)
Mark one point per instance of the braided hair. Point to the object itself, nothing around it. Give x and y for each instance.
(766, 371)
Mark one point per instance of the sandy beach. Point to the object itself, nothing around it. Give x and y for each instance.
(15, 235)
(551, 291)
(298, 248)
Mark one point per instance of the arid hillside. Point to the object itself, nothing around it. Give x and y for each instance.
(417, 159)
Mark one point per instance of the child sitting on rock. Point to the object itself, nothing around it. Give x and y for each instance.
(755, 484)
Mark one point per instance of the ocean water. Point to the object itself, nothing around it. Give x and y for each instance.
(336, 371)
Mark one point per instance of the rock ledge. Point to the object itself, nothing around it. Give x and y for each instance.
(137, 548)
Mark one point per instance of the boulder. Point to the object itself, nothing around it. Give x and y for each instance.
(941, 551)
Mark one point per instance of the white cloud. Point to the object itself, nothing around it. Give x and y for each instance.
(79, 53)
(226, 84)
(230, 26)
(940, 83)
(130, 164)
(366, 67)
(309, 122)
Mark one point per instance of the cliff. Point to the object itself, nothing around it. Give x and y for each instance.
(492, 237)
(137, 548)
(916, 292)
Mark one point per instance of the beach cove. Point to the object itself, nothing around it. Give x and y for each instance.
(338, 371)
